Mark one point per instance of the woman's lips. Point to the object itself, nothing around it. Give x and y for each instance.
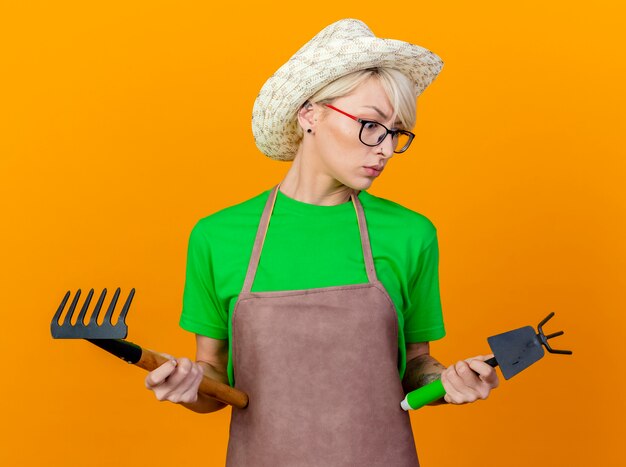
(372, 171)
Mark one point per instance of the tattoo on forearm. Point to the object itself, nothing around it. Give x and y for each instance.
(427, 378)
(421, 371)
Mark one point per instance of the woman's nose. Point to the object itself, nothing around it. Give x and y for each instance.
(386, 147)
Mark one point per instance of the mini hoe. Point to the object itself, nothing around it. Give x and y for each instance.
(110, 337)
(513, 351)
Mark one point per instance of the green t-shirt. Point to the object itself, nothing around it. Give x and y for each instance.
(310, 246)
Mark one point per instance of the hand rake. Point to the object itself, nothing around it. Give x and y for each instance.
(514, 351)
(110, 337)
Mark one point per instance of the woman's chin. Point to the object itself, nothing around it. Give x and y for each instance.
(362, 183)
(357, 183)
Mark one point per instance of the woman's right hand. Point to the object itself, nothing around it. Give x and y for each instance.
(177, 380)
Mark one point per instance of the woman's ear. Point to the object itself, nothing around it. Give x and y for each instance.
(306, 117)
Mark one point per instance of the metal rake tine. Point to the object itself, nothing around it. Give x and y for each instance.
(70, 312)
(96, 310)
(544, 321)
(122, 317)
(555, 334)
(563, 352)
(94, 317)
(83, 310)
(57, 315)
(109, 313)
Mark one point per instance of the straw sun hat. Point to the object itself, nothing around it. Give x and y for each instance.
(337, 50)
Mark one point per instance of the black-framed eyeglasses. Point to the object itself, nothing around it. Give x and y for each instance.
(373, 133)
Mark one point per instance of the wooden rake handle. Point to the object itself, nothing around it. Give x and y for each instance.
(149, 360)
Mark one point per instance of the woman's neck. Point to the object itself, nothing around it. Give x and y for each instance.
(306, 183)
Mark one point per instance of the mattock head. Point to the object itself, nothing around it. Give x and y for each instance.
(91, 330)
(544, 339)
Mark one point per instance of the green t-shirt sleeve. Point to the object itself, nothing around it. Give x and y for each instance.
(202, 313)
(423, 320)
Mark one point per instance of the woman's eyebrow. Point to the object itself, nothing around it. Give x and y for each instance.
(380, 112)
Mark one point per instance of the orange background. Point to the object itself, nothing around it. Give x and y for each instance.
(123, 123)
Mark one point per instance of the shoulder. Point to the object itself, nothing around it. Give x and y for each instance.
(238, 216)
(394, 215)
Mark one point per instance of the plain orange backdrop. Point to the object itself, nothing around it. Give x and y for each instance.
(123, 123)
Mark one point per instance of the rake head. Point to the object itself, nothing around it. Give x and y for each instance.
(544, 339)
(516, 350)
(91, 329)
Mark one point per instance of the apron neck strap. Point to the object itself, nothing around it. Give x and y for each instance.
(259, 240)
(365, 238)
(264, 224)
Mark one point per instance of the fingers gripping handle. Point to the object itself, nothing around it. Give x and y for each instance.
(222, 392)
(149, 360)
(425, 395)
(430, 393)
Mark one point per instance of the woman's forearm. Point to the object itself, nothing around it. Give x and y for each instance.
(420, 371)
(204, 404)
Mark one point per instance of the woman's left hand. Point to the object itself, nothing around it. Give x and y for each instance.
(469, 380)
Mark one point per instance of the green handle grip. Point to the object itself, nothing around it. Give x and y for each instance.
(424, 395)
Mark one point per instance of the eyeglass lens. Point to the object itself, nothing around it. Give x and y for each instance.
(373, 134)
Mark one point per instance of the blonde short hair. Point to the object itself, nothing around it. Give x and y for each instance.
(398, 87)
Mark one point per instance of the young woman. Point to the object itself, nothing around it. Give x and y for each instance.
(316, 298)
